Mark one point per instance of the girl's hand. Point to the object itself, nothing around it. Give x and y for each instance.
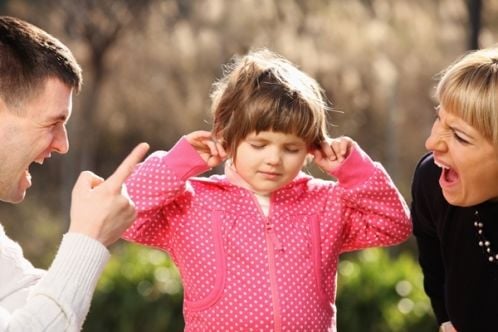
(333, 152)
(210, 150)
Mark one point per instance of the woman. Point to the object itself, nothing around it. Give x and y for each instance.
(455, 197)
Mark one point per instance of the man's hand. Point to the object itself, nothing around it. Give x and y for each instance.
(101, 209)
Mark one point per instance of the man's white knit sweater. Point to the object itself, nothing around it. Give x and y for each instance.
(54, 300)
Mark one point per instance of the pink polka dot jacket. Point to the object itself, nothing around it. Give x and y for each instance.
(243, 271)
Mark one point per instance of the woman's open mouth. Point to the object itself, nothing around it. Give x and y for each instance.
(449, 176)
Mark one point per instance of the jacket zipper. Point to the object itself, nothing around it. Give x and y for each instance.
(270, 238)
(272, 245)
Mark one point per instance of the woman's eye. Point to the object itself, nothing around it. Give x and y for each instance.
(292, 150)
(257, 146)
(460, 139)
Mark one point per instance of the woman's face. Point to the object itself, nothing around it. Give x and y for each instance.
(468, 160)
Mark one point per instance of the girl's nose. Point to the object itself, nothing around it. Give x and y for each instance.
(273, 157)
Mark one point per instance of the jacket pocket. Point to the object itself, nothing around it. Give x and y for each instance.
(308, 228)
(316, 254)
(220, 268)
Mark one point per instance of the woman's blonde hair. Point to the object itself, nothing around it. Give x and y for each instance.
(469, 89)
(263, 91)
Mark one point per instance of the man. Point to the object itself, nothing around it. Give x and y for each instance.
(38, 75)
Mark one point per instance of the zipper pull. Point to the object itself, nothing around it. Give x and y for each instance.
(276, 243)
(268, 226)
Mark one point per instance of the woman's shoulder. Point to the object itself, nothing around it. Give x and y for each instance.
(427, 173)
(426, 165)
(425, 182)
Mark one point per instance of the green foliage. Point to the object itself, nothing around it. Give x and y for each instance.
(139, 290)
(379, 293)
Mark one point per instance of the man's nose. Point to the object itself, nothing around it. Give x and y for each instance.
(60, 143)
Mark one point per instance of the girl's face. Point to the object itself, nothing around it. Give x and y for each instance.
(270, 160)
(468, 160)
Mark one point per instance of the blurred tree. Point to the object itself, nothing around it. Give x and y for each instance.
(149, 65)
(475, 9)
(97, 26)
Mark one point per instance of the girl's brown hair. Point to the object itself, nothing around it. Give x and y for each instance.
(263, 91)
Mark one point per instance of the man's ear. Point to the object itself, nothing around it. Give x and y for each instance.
(14, 106)
(3, 106)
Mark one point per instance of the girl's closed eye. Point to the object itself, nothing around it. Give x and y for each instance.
(257, 146)
(292, 150)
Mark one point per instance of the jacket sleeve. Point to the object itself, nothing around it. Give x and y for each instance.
(425, 232)
(60, 299)
(373, 211)
(154, 186)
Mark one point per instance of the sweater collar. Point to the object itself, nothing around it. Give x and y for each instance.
(234, 178)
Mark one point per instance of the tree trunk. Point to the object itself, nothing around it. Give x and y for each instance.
(474, 9)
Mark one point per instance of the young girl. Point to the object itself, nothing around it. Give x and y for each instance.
(257, 248)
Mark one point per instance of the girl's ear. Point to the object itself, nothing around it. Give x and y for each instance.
(310, 156)
(309, 159)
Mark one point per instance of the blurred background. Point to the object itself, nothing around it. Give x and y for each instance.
(148, 69)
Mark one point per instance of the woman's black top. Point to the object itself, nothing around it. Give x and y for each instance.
(459, 279)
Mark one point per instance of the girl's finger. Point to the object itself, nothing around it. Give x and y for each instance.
(213, 150)
(328, 151)
(221, 151)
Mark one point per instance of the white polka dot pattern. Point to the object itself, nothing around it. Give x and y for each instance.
(242, 271)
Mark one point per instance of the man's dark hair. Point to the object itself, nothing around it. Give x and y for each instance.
(28, 57)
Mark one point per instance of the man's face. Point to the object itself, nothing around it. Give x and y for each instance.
(32, 136)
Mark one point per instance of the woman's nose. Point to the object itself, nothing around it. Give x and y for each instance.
(435, 141)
